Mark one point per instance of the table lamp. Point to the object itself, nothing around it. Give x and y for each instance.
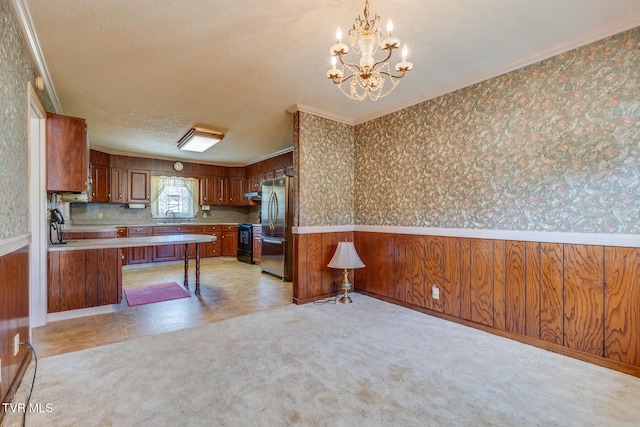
(347, 258)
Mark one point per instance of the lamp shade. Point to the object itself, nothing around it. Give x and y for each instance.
(346, 257)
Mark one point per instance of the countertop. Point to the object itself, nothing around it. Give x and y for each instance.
(112, 227)
(131, 242)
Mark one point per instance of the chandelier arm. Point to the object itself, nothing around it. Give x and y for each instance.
(339, 82)
(349, 64)
(382, 61)
(395, 76)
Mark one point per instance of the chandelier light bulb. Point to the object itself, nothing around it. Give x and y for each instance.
(389, 27)
(405, 51)
(339, 35)
(334, 61)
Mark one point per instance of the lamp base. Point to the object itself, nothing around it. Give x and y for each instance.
(345, 299)
(346, 286)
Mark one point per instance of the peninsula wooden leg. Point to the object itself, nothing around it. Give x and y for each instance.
(197, 268)
(186, 266)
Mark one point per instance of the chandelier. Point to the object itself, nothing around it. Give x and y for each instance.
(369, 78)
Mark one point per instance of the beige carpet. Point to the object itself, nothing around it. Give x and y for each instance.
(365, 364)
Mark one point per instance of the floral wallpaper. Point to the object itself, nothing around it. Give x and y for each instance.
(16, 69)
(554, 146)
(325, 151)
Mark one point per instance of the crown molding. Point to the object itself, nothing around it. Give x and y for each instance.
(584, 39)
(321, 113)
(161, 157)
(268, 156)
(173, 159)
(24, 17)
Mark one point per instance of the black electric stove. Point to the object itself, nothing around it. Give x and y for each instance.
(245, 243)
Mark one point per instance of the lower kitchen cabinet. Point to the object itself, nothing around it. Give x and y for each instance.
(122, 232)
(139, 255)
(84, 278)
(210, 249)
(229, 237)
(257, 243)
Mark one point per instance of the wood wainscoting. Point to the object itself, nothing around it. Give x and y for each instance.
(575, 299)
(312, 279)
(14, 318)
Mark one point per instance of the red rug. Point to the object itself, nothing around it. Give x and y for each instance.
(148, 294)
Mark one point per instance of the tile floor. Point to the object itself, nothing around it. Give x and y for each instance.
(228, 288)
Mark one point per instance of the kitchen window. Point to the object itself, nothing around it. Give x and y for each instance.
(174, 197)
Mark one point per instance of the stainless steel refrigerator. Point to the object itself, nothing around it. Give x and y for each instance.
(277, 218)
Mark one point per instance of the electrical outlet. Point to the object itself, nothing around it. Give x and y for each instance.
(16, 344)
(99, 215)
(435, 292)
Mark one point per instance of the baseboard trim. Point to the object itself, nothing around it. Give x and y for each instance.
(300, 301)
(81, 312)
(16, 383)
(555, 348)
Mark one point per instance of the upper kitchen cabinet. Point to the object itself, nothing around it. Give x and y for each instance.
(67, 154)
(118, 185)
(208, 190)
(100, 184)
(236, 192)
(139, 186)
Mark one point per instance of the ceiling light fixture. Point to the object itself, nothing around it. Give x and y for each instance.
(368, 78)
(199, 140)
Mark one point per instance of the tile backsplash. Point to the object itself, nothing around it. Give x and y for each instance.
(115, 214)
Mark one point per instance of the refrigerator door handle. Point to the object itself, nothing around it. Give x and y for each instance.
(274, 241)
(273, 209)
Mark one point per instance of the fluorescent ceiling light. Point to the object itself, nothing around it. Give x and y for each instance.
(199, 140)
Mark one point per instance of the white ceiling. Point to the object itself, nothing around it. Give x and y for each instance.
(142, 72)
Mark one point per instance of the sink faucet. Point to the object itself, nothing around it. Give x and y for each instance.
(172, 213)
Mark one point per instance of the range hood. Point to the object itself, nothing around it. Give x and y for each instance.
(254, 195)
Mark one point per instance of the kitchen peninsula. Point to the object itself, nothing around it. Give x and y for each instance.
(88, 272)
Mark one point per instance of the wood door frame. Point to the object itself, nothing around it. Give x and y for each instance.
(37, 210)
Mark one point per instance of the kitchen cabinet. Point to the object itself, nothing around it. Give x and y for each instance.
(67, 154)
(229, 237)
(165, 252)
(267, 175)
(79, 235)
(212, 249)
(236, 188)
(207, 190)
(257, 243)
(122, 232)
(138, 186)
(221, 191)
(100, 184)
(139, 255)
(193, 229)
(289, 171)
(254, 183)
(118, 190)
(82, 279)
